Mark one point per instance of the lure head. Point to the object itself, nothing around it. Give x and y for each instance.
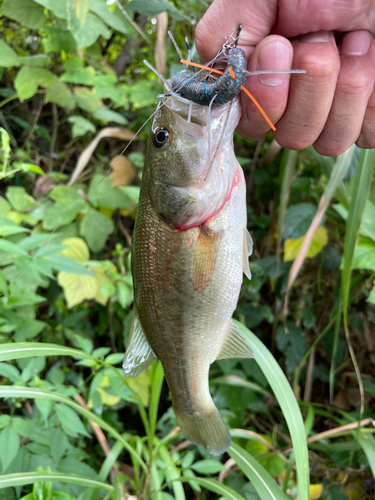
(189, 165)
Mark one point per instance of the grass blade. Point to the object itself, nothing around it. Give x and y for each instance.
(157, 378)
(262, 481)
(216, 487)
(362, 183)
(18, 350)
(32, 393)
(19, 479)
(367, 443)
(172, 473)
(288, 405)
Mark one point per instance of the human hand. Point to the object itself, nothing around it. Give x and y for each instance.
(332, 105)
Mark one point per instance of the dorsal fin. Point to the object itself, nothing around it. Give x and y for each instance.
(138, 355)
(235, 345)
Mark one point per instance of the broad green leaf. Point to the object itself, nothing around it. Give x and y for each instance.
(364, 254)
(76, 249)
(263, 482)
(8, 57)
(58, 40)
(29, 79)
(32, 393)
(319, 241)
(141, 385)
(39, 60)
(86, 99)
(69, 266)
(96, 228)
(106, 115)
(367, 223)
(81, 8)
(8, 227)
(26, 12)
(78, 288)
(87, 34)
(19, 198)
(154, 7)
(59, 93)
(371, 297)
(298, 220)
(29, 329)
(101, 9)
(77, 73)
(9, 444)
(70, 421)
(102, 194)
(8, 480)
(10, 372)
(291, 343)
(81, 125)
(288, 405)
(64, 9)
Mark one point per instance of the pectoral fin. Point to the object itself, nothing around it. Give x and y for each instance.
(235, 345)
(138, 355)
(247, 251)
(204, 259)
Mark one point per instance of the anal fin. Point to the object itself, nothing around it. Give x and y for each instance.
(235, 345)
(138, 355)
(247, 251)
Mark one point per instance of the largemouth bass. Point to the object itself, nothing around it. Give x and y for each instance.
(190, 249)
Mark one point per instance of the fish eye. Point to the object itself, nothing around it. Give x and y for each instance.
(161, 137)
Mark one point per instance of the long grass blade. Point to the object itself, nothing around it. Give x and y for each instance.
(18, 350)
(157, 378)
(216, 487)
(362, 183)
(288, 405)
(110, 460)
(20, 479)
(172, 473)
(33, 393)
(262, 481)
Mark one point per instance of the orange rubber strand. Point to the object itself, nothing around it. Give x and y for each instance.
(231, 72)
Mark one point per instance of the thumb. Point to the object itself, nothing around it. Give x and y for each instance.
(223, 17)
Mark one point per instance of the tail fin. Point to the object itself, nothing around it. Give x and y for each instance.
(207, 429)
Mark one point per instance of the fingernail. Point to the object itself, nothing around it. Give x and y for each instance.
(274, 56)
(356, 43)
(318, 36)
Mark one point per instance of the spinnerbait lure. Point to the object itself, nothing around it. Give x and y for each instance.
(197, 88)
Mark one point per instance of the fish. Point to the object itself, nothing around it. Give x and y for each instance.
(190, 250)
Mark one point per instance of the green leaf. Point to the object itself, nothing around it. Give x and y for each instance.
(38, 60)
(102, 194)
(58, 40)
(81, 125)
(62, 214)
(101, 9)
(81, 8)
(104, 114)
(292, 344)
(154, 7)
(96, 228)
(8, 57)
(26, 12)
(207, 466)
(19, 198)
(8, 480)
(86, 99)
(29, 79)
(29, 329)
(213, 485)
(263, 482)
(76, 73)
(63, 263)
(288, 405)
(4, 421)
(9, 443)
(7, 227)
(70, 421)
(298, 220)
(59, 442)
(364, 254)
(10, 372)
(59, 93)
(8, 246)
(87, 34)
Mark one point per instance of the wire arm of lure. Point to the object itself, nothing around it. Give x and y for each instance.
(158, 74)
